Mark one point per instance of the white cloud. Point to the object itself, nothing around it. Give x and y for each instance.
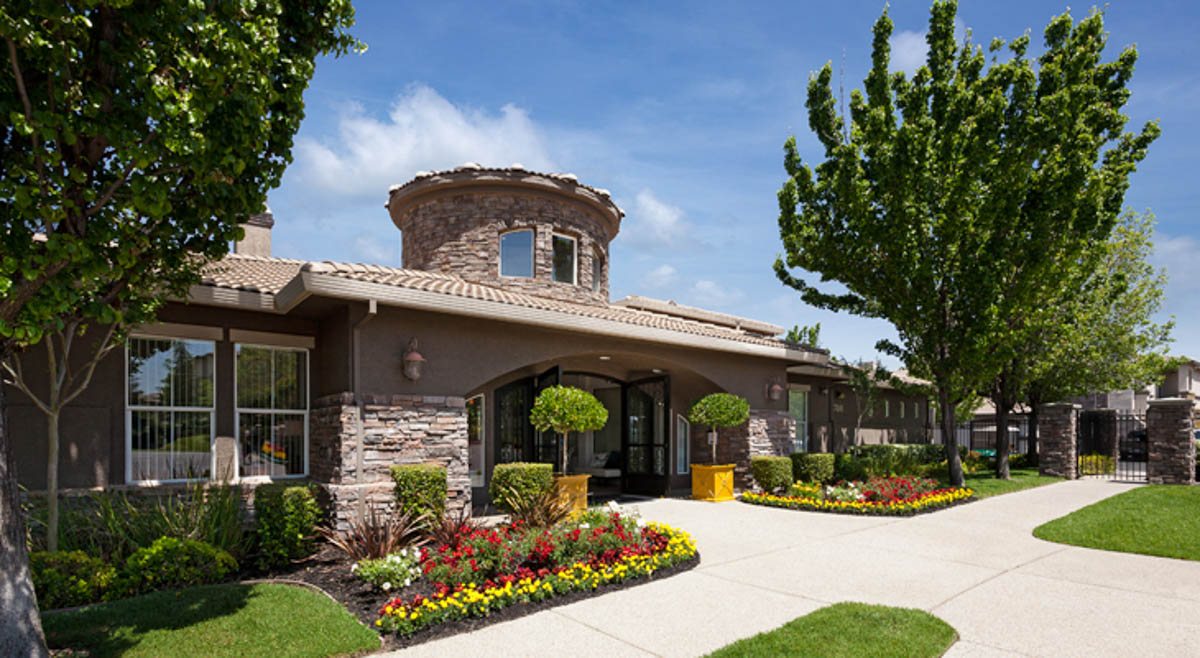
(373, 250)
(909, 47)
(660, 277)
(655, 225)
(710, 294)
(423, 131)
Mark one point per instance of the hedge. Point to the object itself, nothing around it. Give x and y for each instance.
(287, 518)
(771, 473)
(812, 466)
(69, 578)
(522, 479)
(421, 490)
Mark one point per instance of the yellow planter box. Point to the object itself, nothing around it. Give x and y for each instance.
(574, 487)
(712, 483)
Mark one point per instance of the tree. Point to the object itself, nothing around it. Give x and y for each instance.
(1105, 337)
(950, 202)
(138, 136)
(718, 410)
(805, 335)
(567, 409)
(863, 379)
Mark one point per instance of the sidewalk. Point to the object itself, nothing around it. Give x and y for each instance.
(977, 566)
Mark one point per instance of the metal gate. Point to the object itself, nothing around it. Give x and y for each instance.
(1112, 445)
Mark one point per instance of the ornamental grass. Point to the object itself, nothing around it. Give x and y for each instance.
(487, 570)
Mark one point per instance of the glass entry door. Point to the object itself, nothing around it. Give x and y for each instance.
(646, 435)
(546, 444)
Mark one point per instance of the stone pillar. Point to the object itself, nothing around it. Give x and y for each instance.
(225, 458)
(768, 432)
(1172, 458)
(354, 465)
(1056, 440)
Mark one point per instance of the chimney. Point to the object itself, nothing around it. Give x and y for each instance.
(257, 241)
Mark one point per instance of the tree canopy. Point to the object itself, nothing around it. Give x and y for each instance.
(950, 203)
(567, 409)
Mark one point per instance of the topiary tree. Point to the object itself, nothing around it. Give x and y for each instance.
(567, 409)
(719, 410)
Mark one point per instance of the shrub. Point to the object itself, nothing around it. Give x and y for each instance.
(1096, 465)
(544, 510)
(171, 562)
(519, 480)
(719, 410)
(848, 467)
(375, 536)
(567, 409)
(771, 473)
(1023, 461)
(452, 526)
(287, 518)
(420, 490)
(65, 579)
(812, 466)
(395, 570)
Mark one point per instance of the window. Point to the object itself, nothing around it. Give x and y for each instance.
(169, 409)
(564, 259)
(901, 405)
(475, 439)
(683, 444)
(798, 409)
(272, 411)
(597, 272)
(516, 253)
(887, 408)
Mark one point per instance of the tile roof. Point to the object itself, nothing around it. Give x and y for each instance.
(269, 275)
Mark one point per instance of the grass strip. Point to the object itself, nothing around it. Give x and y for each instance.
(1162, 520)
(851, 630)
(215, 620)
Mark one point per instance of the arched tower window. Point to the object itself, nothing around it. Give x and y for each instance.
(516, 253)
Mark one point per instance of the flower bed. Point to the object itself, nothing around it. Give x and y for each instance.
(487, 570)
(899, 496)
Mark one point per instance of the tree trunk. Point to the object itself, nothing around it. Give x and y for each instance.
(1002, 446)
(953, 461)
(20, 625)
(52, 481)
(712, 441)
(1031, 449)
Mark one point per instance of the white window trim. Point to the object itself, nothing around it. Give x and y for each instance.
(597, 271)
(482, 439)
(532, 253)
(574, 258)
(683, 466)
(887, 408)
(130, 408)
(238, 411)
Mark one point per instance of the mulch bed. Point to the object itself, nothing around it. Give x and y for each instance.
(329, 569)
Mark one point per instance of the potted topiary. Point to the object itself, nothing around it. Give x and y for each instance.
(714, 482)
(568, 409)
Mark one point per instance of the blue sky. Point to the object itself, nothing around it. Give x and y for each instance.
(681, 110)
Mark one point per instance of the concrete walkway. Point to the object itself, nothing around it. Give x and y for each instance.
(976, 566)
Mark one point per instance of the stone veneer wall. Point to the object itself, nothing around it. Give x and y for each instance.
(1056, 440)
(768, 432)
(353, 464)
(460, 234)
(1172, 458)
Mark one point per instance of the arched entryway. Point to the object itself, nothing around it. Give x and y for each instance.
(644, 449)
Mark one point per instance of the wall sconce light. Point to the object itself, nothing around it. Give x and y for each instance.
(414, 363)
(840, 395)
(774, 389)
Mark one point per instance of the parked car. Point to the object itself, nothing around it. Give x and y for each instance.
(1134, 446)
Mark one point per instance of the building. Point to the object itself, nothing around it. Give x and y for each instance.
(278, 369)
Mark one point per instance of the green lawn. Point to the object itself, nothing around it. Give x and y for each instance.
(985, 483)
(1159, 520)
(851, 629)
(217, 620)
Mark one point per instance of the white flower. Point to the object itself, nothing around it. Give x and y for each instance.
(354, 567)
(387, 586)
(584, 526)
(612, 505)
(408, 582)
(641, 523)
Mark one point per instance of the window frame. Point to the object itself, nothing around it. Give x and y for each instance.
(683, 446)
(532, 253)
(238, 411)
(597, 271)
(574, 258)
(131, 408)
(482, 441)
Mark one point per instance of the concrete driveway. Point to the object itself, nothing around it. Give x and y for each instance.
(977, 566)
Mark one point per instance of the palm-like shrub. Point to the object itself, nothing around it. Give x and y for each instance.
(718, 410)
(567, 409)
(376, 536)
(545, 510)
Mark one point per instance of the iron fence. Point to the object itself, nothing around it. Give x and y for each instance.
(1112, 445)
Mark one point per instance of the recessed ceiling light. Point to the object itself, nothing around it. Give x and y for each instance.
(605, 358)
(657, 371)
